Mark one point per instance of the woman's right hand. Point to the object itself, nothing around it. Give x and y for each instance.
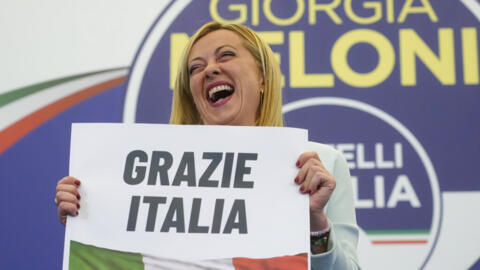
(67, 198)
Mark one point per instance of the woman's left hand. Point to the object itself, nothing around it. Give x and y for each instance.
(315, 180)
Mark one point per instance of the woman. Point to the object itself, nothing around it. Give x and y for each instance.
(228, 76)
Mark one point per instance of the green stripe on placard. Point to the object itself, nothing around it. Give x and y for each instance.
(386, 232)
(28, 90)
(90, 257)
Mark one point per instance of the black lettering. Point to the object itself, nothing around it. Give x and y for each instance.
(227, 170)
(242, 170)
(217, 215)
(160, 169)
(152, 210)
(133, 214)
(186, 170)
(175, 210)
(128, 176)
(204, 180)
(194, 217)
(238, 209)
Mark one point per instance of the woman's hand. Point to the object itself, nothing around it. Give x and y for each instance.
(315, 180)
(67, 198)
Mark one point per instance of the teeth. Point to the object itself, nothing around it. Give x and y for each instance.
(218, 89)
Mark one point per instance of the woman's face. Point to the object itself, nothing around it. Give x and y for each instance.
(225, 81)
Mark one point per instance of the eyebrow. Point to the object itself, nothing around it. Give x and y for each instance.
(216, 52)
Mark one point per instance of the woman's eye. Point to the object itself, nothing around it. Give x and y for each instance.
(192, 69)
(227, 53)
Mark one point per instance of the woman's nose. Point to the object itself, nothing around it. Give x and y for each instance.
(212, 70)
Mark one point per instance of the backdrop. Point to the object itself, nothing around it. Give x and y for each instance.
(394, 85)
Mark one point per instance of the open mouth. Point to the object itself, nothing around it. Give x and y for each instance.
(219, 92)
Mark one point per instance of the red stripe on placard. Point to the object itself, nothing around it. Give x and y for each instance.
(19, 129)
(297, 262)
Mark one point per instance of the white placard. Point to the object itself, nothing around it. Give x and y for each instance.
(189, 192)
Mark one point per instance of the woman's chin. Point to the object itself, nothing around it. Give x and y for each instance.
(227, 121)
(223, 123)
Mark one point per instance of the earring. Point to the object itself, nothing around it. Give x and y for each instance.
(261, 96)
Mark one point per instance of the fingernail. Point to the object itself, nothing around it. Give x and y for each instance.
(76, 214)
(297, 180)
(302, 189)
(78, 206)
(310, 192)
(77, 182)
(298, 163)
(78, 197)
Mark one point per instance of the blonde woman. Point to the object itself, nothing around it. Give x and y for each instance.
(229, 76)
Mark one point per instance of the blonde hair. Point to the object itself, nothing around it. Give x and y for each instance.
(184, 111)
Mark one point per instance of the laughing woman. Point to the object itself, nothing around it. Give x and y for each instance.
(228, 76)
